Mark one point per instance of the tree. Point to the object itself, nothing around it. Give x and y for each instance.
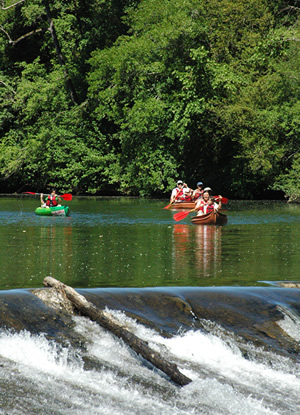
(198, 90)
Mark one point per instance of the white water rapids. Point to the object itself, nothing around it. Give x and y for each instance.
(39, 377)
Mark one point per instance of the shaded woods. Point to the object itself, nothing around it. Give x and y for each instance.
(124, 97)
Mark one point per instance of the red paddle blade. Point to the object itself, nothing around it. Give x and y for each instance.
(66, 196)
(181, 215)
(30, 193)
(167, 207)
(224, 200)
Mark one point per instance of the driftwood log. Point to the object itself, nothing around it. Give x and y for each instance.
(290, 284)
(109, 322)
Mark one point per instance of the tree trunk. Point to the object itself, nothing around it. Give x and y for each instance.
(107, 321)
(61, 59)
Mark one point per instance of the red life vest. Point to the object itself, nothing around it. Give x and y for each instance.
(179, 193)
(198, 193)
(51, 201)
(182, 196)
(209, 208)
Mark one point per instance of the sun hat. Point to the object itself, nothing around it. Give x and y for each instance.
(207, 189)
(180, 182)
(199, 184)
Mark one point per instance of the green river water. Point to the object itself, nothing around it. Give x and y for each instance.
(132, 242)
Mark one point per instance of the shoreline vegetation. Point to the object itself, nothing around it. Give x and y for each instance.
(125, 98)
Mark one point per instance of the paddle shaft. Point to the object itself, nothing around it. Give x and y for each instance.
(181, 215)
(66, 196)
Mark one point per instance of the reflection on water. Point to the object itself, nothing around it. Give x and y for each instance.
(208, 248)
(205, 245)
(56, 249)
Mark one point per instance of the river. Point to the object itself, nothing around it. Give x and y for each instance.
(207, 298)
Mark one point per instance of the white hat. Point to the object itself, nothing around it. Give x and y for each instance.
(207, 189)
(180, 182)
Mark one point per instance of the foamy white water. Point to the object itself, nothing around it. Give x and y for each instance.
(291, 323)
(38, 376)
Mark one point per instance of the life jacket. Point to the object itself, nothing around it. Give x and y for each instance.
(202, 206)
(51, 201)
(184, 198)
(209, 208)
(198, 193)
(179, 193)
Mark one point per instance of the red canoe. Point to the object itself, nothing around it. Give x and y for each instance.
(212, 218)
(183, 205)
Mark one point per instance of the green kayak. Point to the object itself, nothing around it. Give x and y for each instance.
(53, 211)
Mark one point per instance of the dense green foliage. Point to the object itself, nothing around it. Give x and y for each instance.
(132, 95)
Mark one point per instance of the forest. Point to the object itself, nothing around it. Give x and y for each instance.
(125, 97)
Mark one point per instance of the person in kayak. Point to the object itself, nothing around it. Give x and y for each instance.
(50, 201)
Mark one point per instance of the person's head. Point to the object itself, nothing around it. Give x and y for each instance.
(53, 192)
(199, 185)
(210, 201)
(180, 183)
(206, 196)
(207, 189)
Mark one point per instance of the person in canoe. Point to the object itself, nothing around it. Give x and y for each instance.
(198, 192)
(51, 200)
(207, 204)
(208, 190)
(181, 193)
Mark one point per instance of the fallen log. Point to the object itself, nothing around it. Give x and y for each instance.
(109, 322)
(290, 284)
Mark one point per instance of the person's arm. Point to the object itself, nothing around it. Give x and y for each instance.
(219, 205)
(187, 189)
(173, 195)
(199, 204)
(42, 199)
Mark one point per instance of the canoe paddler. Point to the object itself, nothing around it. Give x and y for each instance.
(207, 204)
(198, 192)
(181, 193)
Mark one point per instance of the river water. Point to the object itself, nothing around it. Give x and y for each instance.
(207, 298)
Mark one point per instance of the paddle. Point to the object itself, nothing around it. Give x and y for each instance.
(66, 196)
(181, 215)
(224, 200)
(167, 207)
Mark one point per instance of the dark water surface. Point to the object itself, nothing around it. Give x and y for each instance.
(127, 242)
